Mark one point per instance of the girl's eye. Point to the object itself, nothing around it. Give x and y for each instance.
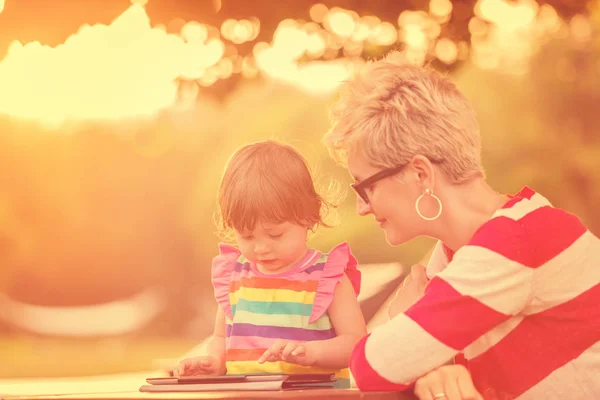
(247, 237)
(276, 236)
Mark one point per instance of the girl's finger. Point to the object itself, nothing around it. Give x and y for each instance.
(287, 350)
(299, 351)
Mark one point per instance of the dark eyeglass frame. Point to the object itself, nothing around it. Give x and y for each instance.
(360, 187)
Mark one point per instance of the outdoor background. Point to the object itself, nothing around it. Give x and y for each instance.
(116, 120)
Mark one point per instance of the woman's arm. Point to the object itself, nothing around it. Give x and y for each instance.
(452, 381)
(413, 286)
(409, 292)
(480, 289)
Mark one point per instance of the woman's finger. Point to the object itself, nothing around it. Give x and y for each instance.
(430, 387)
(418, 276)
(451, 388)
(467, 388)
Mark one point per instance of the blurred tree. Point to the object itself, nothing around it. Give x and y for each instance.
(99, 212)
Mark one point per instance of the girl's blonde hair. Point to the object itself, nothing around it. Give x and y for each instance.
(271, 182)
(394, 110)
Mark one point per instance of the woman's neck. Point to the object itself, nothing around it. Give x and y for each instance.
(466, 208)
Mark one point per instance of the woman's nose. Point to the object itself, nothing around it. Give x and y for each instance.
(362, 207)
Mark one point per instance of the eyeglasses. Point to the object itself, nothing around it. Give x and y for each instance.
(360, 188)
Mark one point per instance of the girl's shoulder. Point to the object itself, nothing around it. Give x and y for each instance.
(224, 266)
(335, 263)
(329, 269)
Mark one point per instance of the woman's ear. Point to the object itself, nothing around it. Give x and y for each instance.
(423, 171)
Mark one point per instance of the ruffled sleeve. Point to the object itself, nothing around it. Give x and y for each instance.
(339, 261)
(223, 266)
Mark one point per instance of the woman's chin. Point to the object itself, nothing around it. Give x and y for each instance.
(395, 239)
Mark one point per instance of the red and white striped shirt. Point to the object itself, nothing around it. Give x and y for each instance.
(521, 300)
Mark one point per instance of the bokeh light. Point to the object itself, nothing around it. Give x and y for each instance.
(124, 70)
(341, 23)
(446, 51)
(145, 66)
(318, 12)
(194, 32)
(441, 9)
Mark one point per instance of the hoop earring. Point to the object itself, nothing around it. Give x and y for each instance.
(428, 193)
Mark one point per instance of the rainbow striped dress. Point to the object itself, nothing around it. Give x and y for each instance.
(261, 309)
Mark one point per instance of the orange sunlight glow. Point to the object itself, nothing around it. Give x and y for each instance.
(1, 6)
(341, 23)
(505, 34)
(441, 9)
(291, 41)
(130, 69)
(124, 70)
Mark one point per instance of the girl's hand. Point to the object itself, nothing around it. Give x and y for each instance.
(289, 351)
(411, 290)
(206, 365)
(449, 382)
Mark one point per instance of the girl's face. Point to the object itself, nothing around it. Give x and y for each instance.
(273, 247)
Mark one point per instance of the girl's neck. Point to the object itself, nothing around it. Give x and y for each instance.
(306, 254)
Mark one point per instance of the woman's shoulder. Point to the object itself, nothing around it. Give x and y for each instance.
(527, 226)
(531, 214)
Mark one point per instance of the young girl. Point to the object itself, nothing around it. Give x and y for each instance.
(283, 307)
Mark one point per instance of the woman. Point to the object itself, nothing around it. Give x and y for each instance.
(513, 283)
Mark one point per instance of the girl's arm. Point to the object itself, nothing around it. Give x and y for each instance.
(216, 347)
(349, 324)
(213, 363)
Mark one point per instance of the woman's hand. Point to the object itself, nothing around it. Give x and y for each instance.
(411, 290)
(449, 382)
(289, 351)
(205, 365)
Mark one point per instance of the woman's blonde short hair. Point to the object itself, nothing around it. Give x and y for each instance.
(393, 110)
(271, 182)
